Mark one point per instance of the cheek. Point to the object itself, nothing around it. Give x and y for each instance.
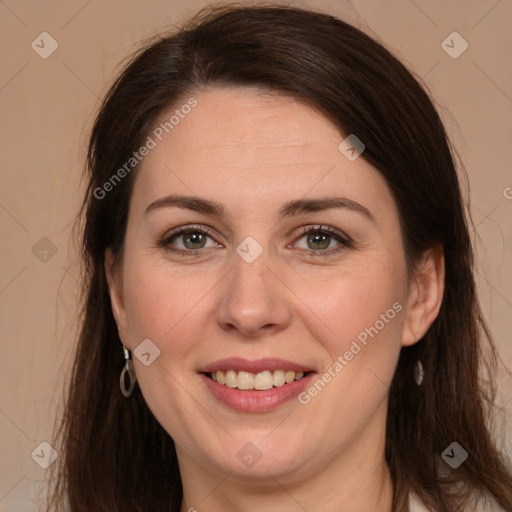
(364, 314)
(360, 320)
(354, 299)
(166, 304)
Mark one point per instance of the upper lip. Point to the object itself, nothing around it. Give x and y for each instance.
(255, 366)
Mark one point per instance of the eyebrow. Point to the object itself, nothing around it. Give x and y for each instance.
(291, 208)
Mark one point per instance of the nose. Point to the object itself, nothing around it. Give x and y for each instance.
(254, 302)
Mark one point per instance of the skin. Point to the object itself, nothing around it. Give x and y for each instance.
(253, 151)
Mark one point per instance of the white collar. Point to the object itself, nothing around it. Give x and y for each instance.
(483, 505)
(414, 504)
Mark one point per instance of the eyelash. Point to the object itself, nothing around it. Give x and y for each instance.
(344, 240)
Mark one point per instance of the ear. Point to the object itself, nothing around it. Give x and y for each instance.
(425, 295)
(114, 281)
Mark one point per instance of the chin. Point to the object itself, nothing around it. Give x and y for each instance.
(261, 459)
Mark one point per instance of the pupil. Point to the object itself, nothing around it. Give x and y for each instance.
(319, 237)
(196, 238)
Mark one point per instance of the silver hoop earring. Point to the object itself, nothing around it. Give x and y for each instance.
(127, 374)
(419, 373)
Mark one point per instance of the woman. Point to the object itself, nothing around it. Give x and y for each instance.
(279, 278)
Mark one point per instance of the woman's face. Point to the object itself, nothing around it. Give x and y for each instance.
(265, 290)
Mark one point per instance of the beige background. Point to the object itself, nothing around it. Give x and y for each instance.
(46, 107)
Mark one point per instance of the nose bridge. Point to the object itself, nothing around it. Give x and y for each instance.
(253, 298)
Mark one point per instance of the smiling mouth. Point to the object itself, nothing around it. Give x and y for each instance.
(261, 381)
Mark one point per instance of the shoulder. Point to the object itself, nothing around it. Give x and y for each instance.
(483, 505)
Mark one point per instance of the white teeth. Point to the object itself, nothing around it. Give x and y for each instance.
(261, 381)
(289, 376)
(245, 380)
(278, 378)
(231, 379)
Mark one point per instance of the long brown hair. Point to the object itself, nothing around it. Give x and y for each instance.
(115, 456)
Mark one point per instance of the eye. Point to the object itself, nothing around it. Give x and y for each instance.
(187, 239)
(318, 240)
(192, 240)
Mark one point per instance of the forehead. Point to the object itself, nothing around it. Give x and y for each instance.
(244, 147)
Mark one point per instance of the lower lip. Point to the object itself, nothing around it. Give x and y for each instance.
(256, 401)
